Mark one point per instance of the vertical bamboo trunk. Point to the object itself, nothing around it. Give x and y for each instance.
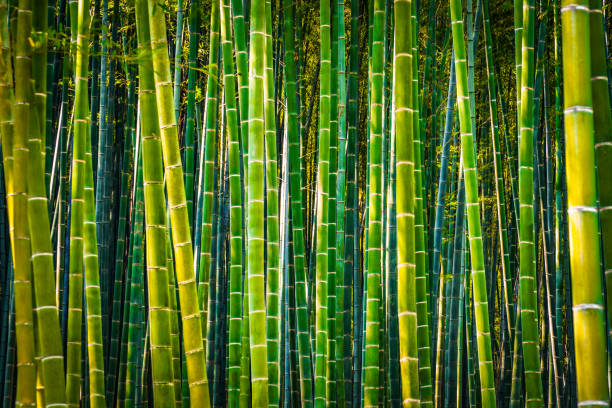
(181, 233)
(499, 176)
(342, 293)
(22, 278)
(483, 333)
(602, 125)
(273, 278)
(240, 45)
(255, 208)
(81, 132)
(373, 277)
(91, 269)
(528, 285)
(331, 396)
(297, 224)
(174, 325)
(403, 118)
(422, 277)
(190, 115)
(322, 191)
(6, 112)
(155, 223)
(178, 55)
(235, 195)
(583, 221)
(47, 319)
(351, 243)
(207, 171)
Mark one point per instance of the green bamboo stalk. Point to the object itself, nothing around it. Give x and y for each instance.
(81, 133)
(95, 352)
(255, 207)
(351, 251)
(517, 361)
(322, 209)
(331, 386)
(406, 271)
(45, 19)
(240, 45)
(518, 61)
(245, 355)
(439, 222)
(155, 225)
(273, 289)
(101, 151)
(129, 132)
(460, 333)
(342, 293)
(422, 281)
(528, 285)
(190, 116)
(214, 275)
(499, 177)
(235, 194)
(210, 134)
(174, 325)
(178, 55)
(583, 222)
(374, 245)
(7, 98)
(468, 151)
(135, 296)
(181, 233)
(21, 249)
(47, 319)
(602, 126)
(469, 309)
(297, 224)
(559, 247)
(458, 263)
(121, 382)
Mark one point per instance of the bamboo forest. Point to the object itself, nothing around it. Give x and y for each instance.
(305, 203)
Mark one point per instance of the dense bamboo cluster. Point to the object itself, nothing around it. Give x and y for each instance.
(279, 203)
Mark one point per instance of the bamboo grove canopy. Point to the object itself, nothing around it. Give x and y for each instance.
(298, 203)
